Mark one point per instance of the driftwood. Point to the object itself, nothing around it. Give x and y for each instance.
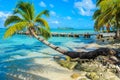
(94, 54)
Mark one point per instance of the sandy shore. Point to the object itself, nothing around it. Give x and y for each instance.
(50, 70)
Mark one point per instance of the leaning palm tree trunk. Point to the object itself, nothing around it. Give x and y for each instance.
(81, 55)
(47, 43)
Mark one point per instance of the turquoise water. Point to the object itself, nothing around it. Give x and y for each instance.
(73, 31)
(15, 52)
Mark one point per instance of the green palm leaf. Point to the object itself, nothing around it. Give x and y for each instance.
(43, 22)
(13, 29)
(96, 14)
(12, 19)
(104, 18)
(25, 8)
(31, 11)
(22, 14)
(110, 13)
(45, 12)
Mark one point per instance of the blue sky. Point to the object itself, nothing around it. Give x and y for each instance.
(63, 13)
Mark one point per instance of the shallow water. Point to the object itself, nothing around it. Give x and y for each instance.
(20, 54)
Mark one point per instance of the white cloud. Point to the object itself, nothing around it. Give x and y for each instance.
(55, 22)
(68, 17)
(3, 15)
(65, 0)
(53, 13)
(42, 4)
(51, 5)
(85, 7)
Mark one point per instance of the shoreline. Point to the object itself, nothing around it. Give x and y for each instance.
(41, 65)
(63, 73)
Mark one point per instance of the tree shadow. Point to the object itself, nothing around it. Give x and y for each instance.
(25, 68)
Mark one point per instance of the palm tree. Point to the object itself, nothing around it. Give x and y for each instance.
(109, 11)
(24, 19)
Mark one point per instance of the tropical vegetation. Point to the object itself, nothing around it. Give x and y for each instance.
(107, 13)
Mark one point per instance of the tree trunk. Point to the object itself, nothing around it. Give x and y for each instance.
(108, 27)
(94, 54)
(81, 55)
(47, 43)
(117, 25)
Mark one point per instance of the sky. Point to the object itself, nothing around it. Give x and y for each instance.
(63, 13)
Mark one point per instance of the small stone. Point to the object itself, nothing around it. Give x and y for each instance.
(68, 58)
(71, 65)
(92, 75)
(114, 58)
(112, 52)
(67, 64)
(75, 75)
(56, 57)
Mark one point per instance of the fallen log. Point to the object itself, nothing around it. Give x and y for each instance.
(93, 54)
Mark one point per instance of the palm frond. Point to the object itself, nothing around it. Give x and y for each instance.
(109, 13)
(105, 4)
(13, 29)
(12, 19)
(31, 11)
(45, 12)
(104, 17)
(45, 33)
(43, 22)
(96, 27)
(96, 14)
(25, 8)
(21, 13)
(98, 2)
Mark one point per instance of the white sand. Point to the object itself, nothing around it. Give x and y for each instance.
(44, 67)
(52, 70)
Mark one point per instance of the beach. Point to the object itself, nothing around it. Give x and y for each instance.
(25, 58)
(60, 40)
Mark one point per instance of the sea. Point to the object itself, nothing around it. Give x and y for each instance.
(18, 52)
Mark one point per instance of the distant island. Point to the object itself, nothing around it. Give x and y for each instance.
(65, 28)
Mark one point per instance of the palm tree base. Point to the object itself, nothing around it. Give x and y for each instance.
(94, 54)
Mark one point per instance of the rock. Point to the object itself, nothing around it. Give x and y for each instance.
(56, 57)
(107, 76)
(75, 75)
(90, 67)
(114, 58)
(68, 58)
(83, 79)
(72, 65)
(67, 64)
(112, 52)
(92, 76)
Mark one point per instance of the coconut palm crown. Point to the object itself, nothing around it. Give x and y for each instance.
(24, 18)
(108, 12)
